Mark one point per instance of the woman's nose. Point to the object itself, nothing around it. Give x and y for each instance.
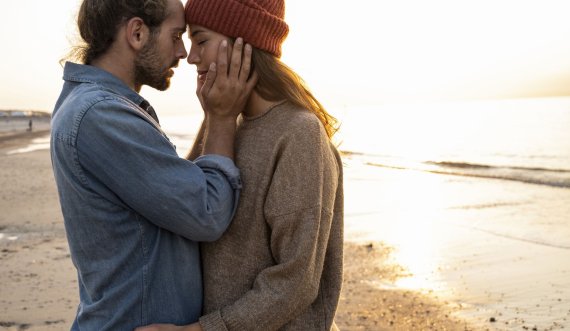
(194, 56)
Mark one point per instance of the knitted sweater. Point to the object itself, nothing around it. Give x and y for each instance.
(279, 264)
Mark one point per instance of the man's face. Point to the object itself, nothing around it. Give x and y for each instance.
(163, 50)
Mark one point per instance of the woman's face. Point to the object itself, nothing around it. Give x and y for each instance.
(204, 49)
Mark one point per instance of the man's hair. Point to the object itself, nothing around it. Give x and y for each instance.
(99, 20)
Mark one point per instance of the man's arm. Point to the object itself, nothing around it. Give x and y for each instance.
(170, 327)
(144, 174)
(224, 95)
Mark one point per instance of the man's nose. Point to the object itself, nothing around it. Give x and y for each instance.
(182, 53)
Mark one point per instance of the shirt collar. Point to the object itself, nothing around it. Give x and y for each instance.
(83, 73)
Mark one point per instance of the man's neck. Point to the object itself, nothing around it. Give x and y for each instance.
(119, 66)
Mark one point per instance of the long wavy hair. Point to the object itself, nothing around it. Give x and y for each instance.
(276, 81)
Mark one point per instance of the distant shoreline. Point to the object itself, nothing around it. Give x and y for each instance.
(11, 125)
(25, 113)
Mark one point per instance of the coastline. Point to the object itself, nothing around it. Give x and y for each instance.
(494, 250)
(20, 138)
(39, 289)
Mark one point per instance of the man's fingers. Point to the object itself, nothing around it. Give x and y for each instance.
(251, 83)
(222, 61)
(226, 92)
(210, 78)
(235, 64)
(246, 65)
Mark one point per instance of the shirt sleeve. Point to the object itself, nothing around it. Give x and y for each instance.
(119, 149)
(299, 210)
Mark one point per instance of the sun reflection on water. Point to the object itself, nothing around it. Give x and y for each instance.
(409, 220)
(416, 231)
(36, 144)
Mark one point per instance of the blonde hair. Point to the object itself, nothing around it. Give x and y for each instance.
(276, 81)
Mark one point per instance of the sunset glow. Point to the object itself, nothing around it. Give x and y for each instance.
(365, 53)
(454, 140)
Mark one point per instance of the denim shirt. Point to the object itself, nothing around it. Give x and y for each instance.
(133, 209)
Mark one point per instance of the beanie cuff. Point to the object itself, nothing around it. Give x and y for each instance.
(235, 18)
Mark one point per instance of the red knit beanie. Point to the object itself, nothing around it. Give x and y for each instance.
(258, 22)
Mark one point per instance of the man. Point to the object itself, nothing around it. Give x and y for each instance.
(133, 209)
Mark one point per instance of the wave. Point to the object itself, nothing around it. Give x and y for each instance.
(554, 177)
(483, 166)
(535, 241)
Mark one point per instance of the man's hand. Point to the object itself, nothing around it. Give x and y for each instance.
(170, 327)
(228, 86)
(224, 95)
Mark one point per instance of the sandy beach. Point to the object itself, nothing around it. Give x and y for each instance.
(38, 290)
(382, 290)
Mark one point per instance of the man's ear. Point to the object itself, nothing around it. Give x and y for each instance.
(137, 33)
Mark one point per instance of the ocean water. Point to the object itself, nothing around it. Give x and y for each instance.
(525, 140)
(21, 124)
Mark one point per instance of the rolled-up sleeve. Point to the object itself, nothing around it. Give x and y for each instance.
(121, 152)
(223, 164)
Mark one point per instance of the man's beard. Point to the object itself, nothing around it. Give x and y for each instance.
(148, 70)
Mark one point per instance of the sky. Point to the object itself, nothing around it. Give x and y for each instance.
(351, 54)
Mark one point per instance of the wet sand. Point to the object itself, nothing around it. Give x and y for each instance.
(498, 252)
(39, 286)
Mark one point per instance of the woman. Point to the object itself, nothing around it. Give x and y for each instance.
(279, 264)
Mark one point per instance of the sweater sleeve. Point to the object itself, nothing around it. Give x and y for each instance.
(299, 212)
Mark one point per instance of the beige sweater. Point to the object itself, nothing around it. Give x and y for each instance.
(279, 264)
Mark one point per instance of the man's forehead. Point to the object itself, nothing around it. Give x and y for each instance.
(175, 20)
